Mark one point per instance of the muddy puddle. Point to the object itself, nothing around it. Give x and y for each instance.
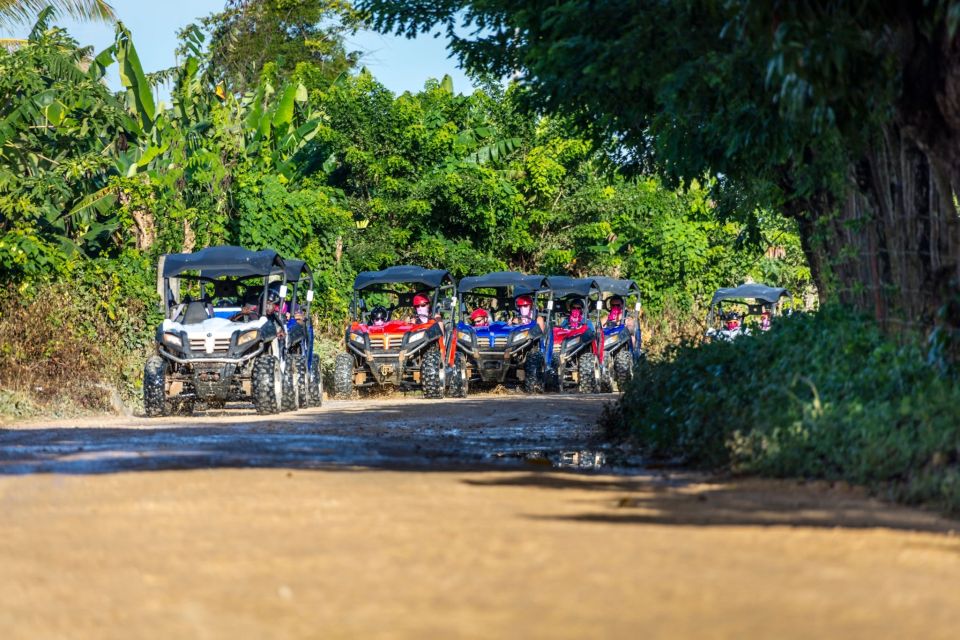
(551, 432)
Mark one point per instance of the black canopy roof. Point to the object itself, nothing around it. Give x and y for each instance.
(431, 278)
(297, 270)
(617, 287)
(563, 286)
(520, 282)
(749, 291)
(217, 262)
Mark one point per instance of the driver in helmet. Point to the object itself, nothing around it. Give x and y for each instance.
(378, 317)
(526, 312)
(480, 317)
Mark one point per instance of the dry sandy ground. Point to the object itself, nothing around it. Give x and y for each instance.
(216, 550)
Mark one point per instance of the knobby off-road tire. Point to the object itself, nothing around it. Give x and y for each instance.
(432, 374)
(154, 387)
(460, 383)
(343, 376)
(552, 380)
(534, 370)
(623, 369)
(589, 375)
(606, 375)
(302, 380)
(290, 398)
(315, 384)
(267, 384)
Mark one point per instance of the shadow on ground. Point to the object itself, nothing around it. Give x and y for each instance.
(684, 499)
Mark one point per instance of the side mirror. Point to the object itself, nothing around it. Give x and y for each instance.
(599, 305)
(550, 304)
(283, 291)
(310, 295)
(636, 307)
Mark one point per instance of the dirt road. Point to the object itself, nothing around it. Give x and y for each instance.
(406, 518)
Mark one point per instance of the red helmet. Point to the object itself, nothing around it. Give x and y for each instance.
(420, 299)
(478, 313)
(524, 300)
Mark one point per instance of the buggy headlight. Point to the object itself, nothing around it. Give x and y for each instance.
(173, 340)
(612, 338)
(463, 335)
(414, 337)
(358, 338)
(520, 336)
(247, 336)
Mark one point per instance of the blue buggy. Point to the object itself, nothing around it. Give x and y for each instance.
(308, 388)
(500, 332)
(622, 339)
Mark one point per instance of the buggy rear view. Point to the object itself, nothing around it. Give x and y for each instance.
(574, 351)
(500, 332)
(400, 332)
(221, 338)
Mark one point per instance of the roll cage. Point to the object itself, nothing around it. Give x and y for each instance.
(439, 282)
(500, 288)
(222, 265)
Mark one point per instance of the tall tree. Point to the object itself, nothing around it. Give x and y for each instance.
(248, 34)
(843, 114)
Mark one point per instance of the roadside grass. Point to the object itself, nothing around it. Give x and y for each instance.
(822, 395)
(62, 353)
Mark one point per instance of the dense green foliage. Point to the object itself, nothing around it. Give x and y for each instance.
(336, 170)
(818, 396)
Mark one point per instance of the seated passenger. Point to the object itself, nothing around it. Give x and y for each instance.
(576, 317)
(378, 317)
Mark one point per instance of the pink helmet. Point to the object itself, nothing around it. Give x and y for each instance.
(420, 299)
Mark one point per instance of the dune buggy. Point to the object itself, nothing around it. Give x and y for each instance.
(622, 340)
(308, 390)
(500, 345)
(398, 348)
(221, 341)
(737, 311)
(574, 352)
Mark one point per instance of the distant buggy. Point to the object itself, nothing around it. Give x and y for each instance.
(622, 340)
(574, 349)
(221, 340)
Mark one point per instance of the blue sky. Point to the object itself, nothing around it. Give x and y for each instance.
(400, 64)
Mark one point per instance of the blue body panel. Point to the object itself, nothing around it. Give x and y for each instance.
(291, 323)
(495, 330)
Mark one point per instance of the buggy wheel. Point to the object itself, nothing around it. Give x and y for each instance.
(291, 391)
(303, 380)
(343, 376)
(551, 380)
(432, 374)
(534, 372)
(267, 384)
(623, 368)
(154, 387)
(606, 377)
(589, 371)
(315, 384)
(460, 383)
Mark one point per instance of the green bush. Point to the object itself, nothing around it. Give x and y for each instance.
(824, 395)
